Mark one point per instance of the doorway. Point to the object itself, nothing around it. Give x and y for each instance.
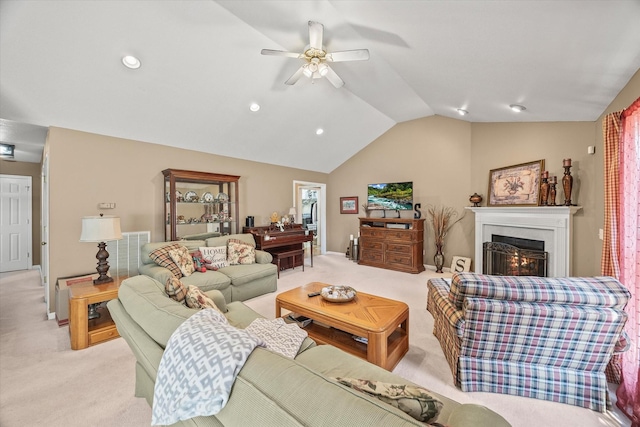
(310, 204)
(44, 231)
(15, 222)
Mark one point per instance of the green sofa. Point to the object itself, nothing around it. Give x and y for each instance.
(270, 390)
(235, 282)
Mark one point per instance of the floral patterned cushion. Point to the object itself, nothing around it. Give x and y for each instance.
(161, 257)
(183, 260)
(239, 252)
(195, 298)
(175, 289)
(413, 400)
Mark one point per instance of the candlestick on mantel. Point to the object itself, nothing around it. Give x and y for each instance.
(544, 188)
(567, 181)
(552, 190)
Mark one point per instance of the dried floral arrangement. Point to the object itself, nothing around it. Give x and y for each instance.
(442, 218)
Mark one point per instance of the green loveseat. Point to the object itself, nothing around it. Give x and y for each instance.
(271, 390)
(235, 282)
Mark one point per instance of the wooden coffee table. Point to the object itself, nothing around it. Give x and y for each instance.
(384, 322)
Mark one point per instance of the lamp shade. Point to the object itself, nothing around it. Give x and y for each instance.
(292, 211)
(100, 229)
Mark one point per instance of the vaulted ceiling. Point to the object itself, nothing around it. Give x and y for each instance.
(60, 65)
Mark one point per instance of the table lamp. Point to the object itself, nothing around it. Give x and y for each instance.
(292, 215)
(101, 229)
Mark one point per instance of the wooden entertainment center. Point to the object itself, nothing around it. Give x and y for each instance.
(393, 243)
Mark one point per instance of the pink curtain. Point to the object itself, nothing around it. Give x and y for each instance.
(628, 240)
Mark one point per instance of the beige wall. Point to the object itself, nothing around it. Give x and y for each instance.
(433, 152)
(447, 160)
(502, 144)
(86, 169)
(34, 171)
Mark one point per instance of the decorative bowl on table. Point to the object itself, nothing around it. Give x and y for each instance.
(338, 293)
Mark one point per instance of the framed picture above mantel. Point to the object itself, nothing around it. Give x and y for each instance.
(517, 185)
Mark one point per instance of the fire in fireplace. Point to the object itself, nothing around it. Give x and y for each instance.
(514, 256)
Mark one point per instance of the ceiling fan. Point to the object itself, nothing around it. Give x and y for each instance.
(316, 58)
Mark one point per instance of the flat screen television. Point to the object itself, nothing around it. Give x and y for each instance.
(391, 196)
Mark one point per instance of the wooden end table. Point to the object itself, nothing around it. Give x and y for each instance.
(383, 322)
(82, 331)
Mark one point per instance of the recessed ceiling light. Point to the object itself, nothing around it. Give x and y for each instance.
(462, 112)
(254, 107)
(130, 61)
(319, 131)
(517, 108)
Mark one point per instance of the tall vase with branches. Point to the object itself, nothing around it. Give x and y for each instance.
(441, 219)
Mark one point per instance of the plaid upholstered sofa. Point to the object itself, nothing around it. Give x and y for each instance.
(546, 338)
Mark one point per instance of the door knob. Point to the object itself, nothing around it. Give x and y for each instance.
(43, 243)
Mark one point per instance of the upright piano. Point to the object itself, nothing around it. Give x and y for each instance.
(270, 239)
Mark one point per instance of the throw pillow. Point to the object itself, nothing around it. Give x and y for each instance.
(413, 400)
(215, 255)
(161, 257)
(175, 289)
(195, 298)
(279, 337)
(239, 252)
(183, 260)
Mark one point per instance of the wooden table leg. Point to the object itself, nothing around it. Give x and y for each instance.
(278, 309)
(377, 349)
(78, 323)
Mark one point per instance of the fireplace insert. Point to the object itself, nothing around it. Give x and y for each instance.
(512, 256)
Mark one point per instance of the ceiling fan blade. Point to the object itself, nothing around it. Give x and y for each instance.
(295, 77)
(334, 78)
(348, 55)
(281, 53)
(315, 35)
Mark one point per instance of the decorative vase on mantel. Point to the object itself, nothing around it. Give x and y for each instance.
(438, 258)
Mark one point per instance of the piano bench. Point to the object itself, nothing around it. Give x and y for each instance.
(279, 256)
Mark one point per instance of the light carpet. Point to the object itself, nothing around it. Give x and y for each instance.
(44, 382)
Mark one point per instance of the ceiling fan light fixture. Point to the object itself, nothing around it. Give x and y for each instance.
(313, 65)
(462, 111)
(517, 108)
(131, 61)
(315, 56)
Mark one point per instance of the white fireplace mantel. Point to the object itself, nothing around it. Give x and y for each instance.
(551, 224)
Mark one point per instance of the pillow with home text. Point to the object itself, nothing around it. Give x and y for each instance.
(216, 255)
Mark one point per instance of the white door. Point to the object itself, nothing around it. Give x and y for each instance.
(15, 223)
(44, 229)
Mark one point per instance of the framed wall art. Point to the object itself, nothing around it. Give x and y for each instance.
(349, 205)
(517, 185)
